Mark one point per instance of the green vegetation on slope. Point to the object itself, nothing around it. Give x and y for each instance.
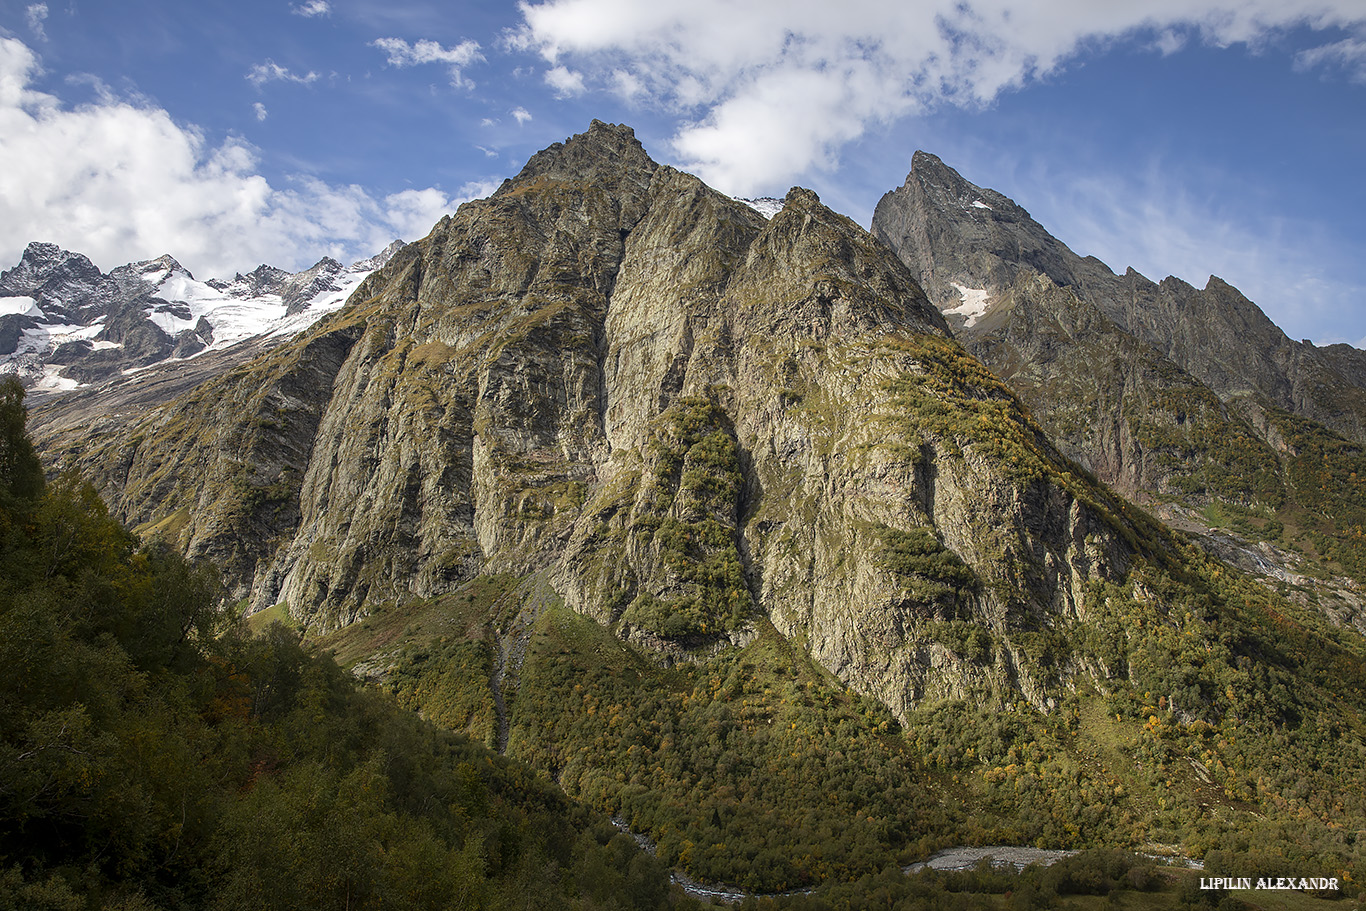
(689, 521)
(151, 757)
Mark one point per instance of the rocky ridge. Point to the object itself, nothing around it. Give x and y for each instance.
(961, 238)
(64, 324)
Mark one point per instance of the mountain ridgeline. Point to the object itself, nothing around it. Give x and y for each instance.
(710, 517)
(1171, 394)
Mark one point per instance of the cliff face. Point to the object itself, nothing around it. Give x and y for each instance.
(685, 416)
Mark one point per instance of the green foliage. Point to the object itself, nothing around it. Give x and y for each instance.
(950, 397)
(953, 397)
(690, 524)
(21, 474)
(930, 571)
(152, 756)
(1326, 512)
(753, 768)
(1186, 431)
(448, 681)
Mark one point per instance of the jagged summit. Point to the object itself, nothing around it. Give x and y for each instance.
(149, 268)
(607, 154)
(1216, 335)
(65, 324)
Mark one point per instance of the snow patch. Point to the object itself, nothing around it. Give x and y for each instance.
(235, 318)
(23, 306)
(981, 205)
(973, 307)
(51, 381)
(766, 206)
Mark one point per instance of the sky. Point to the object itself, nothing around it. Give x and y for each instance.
(1183, 137)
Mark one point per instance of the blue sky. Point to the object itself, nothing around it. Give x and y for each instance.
(1183, 137)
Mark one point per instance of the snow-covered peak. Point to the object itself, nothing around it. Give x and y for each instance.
(380, 258)
(62, 301)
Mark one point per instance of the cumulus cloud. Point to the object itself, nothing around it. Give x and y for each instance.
(521, 115)
(270, 71)
(400, 53)
(771, 88)
(121, 180)
(260, 109)
(34, 15)
(312, 8)
(564, 81)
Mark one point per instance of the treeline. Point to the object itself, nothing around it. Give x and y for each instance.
(154, 756)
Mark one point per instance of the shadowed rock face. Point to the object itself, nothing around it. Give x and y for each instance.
(685, 416)
(956, 235)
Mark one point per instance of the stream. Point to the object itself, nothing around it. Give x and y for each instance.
(951, 859)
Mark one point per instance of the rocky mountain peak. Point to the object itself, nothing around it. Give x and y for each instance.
(607, 157)
(165, 263)
(46, 270)
(264, 279)
(297, 290)
(956, 235)
(380, 258)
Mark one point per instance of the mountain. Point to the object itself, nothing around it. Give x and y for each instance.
(64, 324)
(707, 515)
(577, 376)
(1191, 400)
(965, 241)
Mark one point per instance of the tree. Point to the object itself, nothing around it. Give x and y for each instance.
(21, 474)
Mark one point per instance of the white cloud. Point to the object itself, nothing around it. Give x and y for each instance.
(564, 81)
(312, 8)
(521, 115)
(35, 14)
(270, 71)
(121, 181)
(769, 89)
(1349, 53)
(400, 54)
(626, 85)
(260, 109)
